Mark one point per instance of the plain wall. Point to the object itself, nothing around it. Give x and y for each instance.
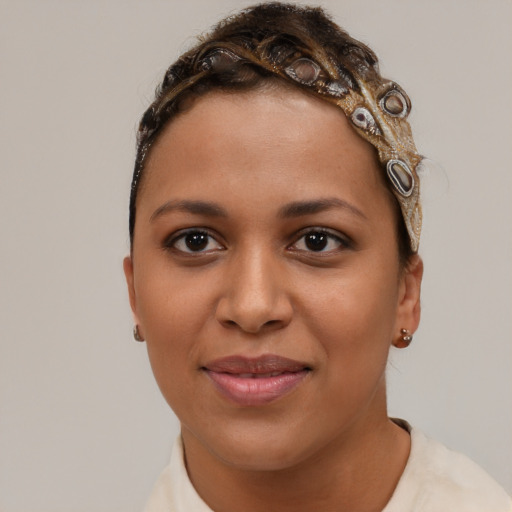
(82, 424)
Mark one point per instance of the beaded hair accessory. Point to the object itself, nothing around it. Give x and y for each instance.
(349, 78)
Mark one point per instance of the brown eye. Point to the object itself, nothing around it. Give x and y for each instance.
(320, 241)
(194, 242)
(316, 241)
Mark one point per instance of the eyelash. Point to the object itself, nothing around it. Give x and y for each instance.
(171, 242)
(341, 241)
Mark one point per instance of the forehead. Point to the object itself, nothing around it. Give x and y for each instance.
(261, 132)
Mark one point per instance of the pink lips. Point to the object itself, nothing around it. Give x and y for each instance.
(257, 381)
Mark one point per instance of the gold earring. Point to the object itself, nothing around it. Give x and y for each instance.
(136, 333)
(405, 339)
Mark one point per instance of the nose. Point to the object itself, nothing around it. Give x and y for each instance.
(255, 298)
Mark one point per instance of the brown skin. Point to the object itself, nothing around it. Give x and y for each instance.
(258, 289)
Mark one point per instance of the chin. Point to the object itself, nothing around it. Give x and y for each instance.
(265, 460)
(259, 449)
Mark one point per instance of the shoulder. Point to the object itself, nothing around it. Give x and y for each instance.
(437, 479)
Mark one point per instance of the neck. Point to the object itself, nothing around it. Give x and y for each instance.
(357, 471)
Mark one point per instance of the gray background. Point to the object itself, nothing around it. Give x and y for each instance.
(82, 424)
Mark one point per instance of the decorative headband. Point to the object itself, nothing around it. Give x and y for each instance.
(377, 108)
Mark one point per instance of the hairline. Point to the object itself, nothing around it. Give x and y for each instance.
(264, 85)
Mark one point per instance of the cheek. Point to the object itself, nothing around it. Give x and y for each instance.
(353, 328)
(174, 309)
(353, 301)
(353, 317)
(171, 302)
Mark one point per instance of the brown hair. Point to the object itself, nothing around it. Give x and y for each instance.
(297, 45)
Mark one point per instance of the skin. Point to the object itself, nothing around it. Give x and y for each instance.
(257, 288)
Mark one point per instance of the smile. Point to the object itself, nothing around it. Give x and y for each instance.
(254, 382)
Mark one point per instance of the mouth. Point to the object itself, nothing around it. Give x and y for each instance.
(255, 381)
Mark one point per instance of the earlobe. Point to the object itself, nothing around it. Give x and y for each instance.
(409, 307)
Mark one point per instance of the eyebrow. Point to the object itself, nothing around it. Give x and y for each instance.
(195, 207)
(300, 208)
(294, 209)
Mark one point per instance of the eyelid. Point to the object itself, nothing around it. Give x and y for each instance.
(169, 242)
(344, 241)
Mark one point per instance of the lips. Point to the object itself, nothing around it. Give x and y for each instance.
(255, 381)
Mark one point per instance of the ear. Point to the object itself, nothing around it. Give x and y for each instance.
(409, 306)
(128, 273)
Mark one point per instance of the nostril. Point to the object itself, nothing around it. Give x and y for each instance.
(254, 312)
(256, 327)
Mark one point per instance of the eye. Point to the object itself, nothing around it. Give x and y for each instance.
(194, 241)
(320, 241)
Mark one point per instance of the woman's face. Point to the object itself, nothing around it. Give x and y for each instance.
(265, 277)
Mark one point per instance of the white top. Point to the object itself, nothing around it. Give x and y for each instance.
(435, 479)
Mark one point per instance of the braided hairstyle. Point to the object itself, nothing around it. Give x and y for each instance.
(299, 47)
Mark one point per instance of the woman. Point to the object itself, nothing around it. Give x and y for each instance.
(275, 222)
